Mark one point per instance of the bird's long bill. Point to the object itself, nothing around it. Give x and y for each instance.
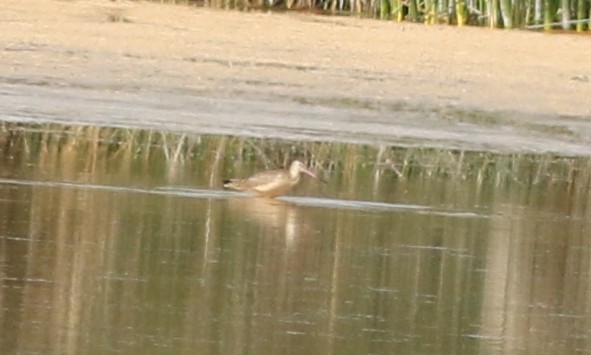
(308, 172)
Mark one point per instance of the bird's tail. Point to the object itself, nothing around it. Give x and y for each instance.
(233, 184)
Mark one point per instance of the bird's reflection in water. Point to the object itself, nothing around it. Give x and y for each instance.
(275, 216)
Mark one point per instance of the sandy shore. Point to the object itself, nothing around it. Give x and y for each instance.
(131, 47)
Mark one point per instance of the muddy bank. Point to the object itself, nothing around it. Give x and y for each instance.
(294, 76)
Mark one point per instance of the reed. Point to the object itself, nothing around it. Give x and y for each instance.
(121, 148)
(529, 14)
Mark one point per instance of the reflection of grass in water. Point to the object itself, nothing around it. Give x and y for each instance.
(76, 235)
(87, 145)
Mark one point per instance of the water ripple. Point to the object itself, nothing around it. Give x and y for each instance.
(368, 206)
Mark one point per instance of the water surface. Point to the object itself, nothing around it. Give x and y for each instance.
(123, 241)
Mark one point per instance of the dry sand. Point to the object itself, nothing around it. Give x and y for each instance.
(133, 47)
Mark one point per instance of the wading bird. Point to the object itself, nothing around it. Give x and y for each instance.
(271, 183)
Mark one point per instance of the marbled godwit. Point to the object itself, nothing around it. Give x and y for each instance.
(271, 183)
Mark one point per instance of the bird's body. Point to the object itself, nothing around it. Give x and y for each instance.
(271, 183)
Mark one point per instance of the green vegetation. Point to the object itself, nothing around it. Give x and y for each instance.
(533, 14)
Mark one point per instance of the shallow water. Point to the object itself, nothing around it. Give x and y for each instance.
(122, 241)
(330, 119)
